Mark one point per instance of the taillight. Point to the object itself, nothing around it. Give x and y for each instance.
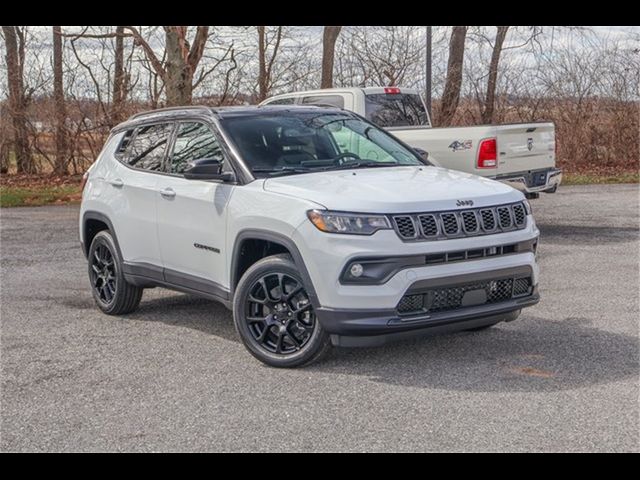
(487, 154)
(391, 90)
(85, 177)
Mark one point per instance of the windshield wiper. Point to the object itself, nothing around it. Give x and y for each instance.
(281, 171)
(357, 164)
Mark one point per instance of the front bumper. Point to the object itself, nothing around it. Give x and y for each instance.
(365, 327)
(534, 181)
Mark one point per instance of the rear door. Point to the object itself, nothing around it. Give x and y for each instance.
(133, 184)
(525, 147)
(192, 213)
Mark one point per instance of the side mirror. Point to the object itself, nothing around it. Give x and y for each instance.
(207, 169)
(423, 153)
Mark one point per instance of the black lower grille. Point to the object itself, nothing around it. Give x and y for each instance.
(411, 303)
(472, 294)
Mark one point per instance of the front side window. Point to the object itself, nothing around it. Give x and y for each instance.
(147, 148)
(297, 142)
(194, 141)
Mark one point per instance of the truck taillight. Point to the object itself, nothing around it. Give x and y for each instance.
(391, 90)
(487, 153)
(85, 177)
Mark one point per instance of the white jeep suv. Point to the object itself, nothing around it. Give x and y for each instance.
(315, 226)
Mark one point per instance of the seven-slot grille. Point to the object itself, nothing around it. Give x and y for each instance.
(460, 223)
(452, 298)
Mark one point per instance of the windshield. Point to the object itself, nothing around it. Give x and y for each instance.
(291, 142)
(395, 110)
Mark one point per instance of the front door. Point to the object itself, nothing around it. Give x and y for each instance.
(192, 214)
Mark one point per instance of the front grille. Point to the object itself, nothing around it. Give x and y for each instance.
(460, 223)
(488, 220)
(429, 225)
(405, 227)
(449, 223)
(504, 217)
(461, 296)
(519, 214)
(469, 222)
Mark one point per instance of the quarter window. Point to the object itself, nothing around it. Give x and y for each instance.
(147, 148)
(194, 141)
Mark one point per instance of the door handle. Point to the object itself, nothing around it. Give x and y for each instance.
(116, 182)
(167, 192)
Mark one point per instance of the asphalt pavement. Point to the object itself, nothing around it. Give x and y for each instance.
(173, 376)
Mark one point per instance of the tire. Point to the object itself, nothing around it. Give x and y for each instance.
(274, 317)
(111, 292)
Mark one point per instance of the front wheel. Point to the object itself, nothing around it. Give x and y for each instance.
(274, 316)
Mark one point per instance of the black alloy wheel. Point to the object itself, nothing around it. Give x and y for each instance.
(103, 274)
(274, 315)
(279, 314)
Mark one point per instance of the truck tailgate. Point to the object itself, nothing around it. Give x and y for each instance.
(525, 147)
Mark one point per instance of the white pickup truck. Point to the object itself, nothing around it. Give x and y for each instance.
(521, 155)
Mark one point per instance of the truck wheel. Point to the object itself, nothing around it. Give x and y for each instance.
(274, 317)
(111, 292)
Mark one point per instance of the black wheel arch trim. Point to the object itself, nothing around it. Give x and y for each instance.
(259, 234)
(93, 215)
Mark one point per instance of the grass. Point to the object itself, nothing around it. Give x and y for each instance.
(599, 178)
(34, 196)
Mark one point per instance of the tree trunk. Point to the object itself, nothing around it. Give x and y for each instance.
(262, 64)
(14, 44)
(329, 38)
(60, 107)
(451, 95)
(119, 83)
(490, 98)
(179, 78)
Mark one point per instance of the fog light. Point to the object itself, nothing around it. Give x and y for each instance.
(356, 270)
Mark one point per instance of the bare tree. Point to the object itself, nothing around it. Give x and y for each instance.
(182, 59)
(266, 59)
(119, 78)
(329, 38)
(14, 38)
(489, 101)
(385, 55)
(59, 102)
(451, 95)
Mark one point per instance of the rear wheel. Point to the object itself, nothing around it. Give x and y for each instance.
(111, 292)
(274, 315)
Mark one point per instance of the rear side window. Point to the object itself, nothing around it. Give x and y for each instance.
(194, 141)
(147, 147)
(395, 110)
(333, 100)
(283, 101)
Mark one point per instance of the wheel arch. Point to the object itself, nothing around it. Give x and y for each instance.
(87, 219)
(275, 238)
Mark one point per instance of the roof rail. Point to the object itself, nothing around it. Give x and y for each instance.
(202, 108)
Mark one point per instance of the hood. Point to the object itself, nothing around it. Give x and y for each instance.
(393, 189)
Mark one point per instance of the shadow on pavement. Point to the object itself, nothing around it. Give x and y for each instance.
(188, 311)
(532, 354)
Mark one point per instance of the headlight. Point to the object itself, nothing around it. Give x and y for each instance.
(352, 223)
(527, 207)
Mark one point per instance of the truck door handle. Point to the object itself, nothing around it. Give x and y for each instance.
(116, 182)
(167, 192)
